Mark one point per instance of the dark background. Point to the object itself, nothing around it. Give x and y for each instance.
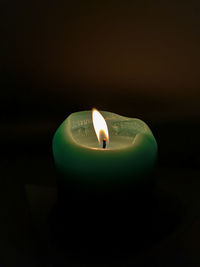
(135, 58)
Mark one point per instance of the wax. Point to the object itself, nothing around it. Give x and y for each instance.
(128, 157)
(104, 194)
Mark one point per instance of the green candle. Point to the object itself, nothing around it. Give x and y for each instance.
(122, 153)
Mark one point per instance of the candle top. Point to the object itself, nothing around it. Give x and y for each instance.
(122, 130)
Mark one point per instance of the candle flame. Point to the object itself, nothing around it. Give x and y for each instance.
(100, 126)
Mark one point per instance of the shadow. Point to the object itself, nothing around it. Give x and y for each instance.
(112, 227)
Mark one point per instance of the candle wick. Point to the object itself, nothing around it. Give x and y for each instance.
(104, 143)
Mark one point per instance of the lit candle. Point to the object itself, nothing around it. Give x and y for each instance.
(105, 186)
(103, 148)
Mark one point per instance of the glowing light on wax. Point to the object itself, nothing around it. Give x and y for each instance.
(100, 127)
(128, 159)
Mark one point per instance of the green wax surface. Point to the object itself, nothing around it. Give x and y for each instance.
(129, 155)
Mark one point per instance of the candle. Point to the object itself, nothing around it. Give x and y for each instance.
(104, 186)
(103, 149)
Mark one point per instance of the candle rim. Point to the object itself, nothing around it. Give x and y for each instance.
(146, 130)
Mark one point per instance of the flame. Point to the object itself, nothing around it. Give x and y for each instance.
(100, 126)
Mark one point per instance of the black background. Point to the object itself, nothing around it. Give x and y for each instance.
(135, 58)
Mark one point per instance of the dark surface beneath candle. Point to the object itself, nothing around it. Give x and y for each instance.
(137, 60)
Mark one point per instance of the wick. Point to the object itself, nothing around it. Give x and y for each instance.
(104, 143)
